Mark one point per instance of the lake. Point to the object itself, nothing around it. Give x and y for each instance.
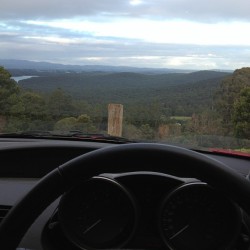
(19, 78)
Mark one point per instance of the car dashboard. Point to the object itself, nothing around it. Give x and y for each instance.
(127, 210)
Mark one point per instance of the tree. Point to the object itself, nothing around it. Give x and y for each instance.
(65, 124)
(8, 92)
(143, 113)
(228, 94)
(34, 105)
(81, 123)
(35, 111)
(206, 123)
(9, 98)
(60, 104)
(4, 75)
(147, 132)
(241, 115)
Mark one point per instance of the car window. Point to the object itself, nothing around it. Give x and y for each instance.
(175, 72)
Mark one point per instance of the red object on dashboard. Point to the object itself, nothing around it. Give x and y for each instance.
(229, 152)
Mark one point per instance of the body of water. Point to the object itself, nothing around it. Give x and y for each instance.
(19, 78)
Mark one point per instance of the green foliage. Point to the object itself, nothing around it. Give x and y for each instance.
(131, 132)
(228, 95)
(147, 132)
(171, 107)
(8, 92)
(207, 122)
(34, 105)
(66, 124)
(4, 75)
(82, 123)
(60, 104)
(178, 93)
(140, 114)
(241, 114)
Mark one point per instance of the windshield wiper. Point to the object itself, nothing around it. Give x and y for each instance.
(26, 134)
(70, 135)
(96, 137)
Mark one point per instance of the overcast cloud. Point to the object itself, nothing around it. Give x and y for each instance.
(198, 10)
(190, 34)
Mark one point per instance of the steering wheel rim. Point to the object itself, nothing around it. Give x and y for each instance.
(121, 158)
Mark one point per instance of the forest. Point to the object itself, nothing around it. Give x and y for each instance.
(203, 108)
(179, 93)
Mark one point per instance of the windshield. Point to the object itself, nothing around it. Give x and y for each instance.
(175, 72)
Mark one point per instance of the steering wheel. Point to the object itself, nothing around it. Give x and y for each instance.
(115, 159)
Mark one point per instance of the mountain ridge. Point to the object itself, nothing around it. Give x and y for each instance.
(11, 64)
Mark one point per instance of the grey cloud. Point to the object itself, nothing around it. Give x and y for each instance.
(125, 52)
(14, 43)
(205, 11)
(200, 10)
(36, 9)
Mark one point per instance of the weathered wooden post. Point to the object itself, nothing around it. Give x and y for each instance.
(115, 116)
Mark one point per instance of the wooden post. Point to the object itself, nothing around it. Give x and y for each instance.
(115, 116)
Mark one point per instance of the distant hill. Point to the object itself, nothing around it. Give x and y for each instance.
(177, 91)
(20, 67)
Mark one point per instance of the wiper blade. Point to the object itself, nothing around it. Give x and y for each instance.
(26, 134)
(97, 137)
(72, 135)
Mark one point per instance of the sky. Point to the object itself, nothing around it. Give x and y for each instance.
(180, 34)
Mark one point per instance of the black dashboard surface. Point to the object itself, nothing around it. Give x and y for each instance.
(25, 161)
(33, 158)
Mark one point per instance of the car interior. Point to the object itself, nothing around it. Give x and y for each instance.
(61, 194)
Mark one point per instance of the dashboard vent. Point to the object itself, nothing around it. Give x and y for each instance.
(3, 211)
